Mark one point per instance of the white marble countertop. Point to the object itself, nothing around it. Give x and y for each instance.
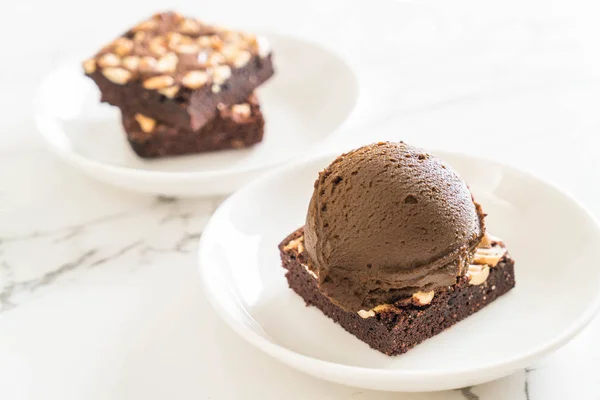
(99, 297)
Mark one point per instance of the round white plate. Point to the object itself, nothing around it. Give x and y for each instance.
(555, 243)
(300, 110)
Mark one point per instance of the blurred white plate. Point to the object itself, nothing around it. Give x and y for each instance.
(555, 242)
(301, 107)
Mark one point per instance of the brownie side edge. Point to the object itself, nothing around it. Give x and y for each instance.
(223, 132)
(396, 332)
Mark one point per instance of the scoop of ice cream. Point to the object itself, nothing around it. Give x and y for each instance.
(388, 220)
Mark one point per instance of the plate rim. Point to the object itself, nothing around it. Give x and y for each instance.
(43, 120)
(295, 359)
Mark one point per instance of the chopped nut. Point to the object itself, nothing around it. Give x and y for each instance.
(263, 46)
(204, 41)
(167, 63)
(366, 314)
(422, 298)
(122, 46)
(195, 79)
(157, 45)
(478, 274)
(248, 37)
(232, 36)
(295, 244)
(230, 51)
(159, 82)
(310, 271)
(109, 60)
(146, 25)
(89, 66)
(147, 64)
(169, 92)
(242, 59)
(488, 240)
(216, 42)
(176, 16)
(139, 37)
(384, 307)
(221, 73)
(243, 110)
(215, 88)
(131, 62)
(146, 123)
(174, 39)
(189, 26)
(117, 75)
(491, 256)
(189, 48)
(215, 59)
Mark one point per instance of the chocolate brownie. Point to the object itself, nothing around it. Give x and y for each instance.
(395, 328)
(234, 127)
(178, 70)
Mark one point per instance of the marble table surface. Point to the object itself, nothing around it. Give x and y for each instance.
(99, 296)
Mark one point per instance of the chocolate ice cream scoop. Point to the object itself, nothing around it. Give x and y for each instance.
(388, 220)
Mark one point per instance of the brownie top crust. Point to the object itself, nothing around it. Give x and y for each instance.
(386, 221)
(176, 55)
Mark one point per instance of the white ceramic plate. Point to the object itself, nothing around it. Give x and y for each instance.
(299, 108)
(555, 243)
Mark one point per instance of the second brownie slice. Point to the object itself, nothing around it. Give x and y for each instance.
(178, 70)
(234, 127)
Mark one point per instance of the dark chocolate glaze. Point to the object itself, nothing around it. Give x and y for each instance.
(387, 220)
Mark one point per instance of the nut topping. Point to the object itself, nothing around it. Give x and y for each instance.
(189, 48)
(167, 63)
(109, 60)
(174, 39)
(230, 51)
(147, 64)
(189, 26)
(204, 41)
(146, 25)
(422, 298)
(117, 75)
(366, 314)
(159, 82)
(131, 62)
(146, 123)
(242, 59)
(221, 73)
(295, 244)
(491, 256)
(157, 45)
(195, 79)
(263, 46)
(122, 46)
(243, 111)
(216, 42)
(89, 66)
(478, 274)
(169, 92)
(139, 37)
(215, 59)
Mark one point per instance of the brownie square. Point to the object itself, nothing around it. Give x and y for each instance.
(395, 329)
(178, 70)
(234, 127)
